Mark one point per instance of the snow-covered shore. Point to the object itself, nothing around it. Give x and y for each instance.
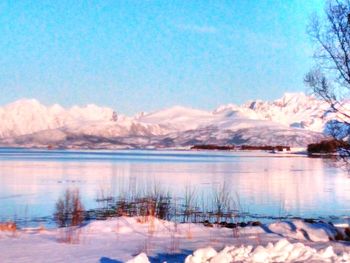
(152, 240)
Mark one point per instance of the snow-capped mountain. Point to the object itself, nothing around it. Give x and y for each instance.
(293, 109)
(296, 120)
(26, 116)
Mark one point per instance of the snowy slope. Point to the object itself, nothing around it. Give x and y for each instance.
(293, 109)
(295, 120)
(177, 118)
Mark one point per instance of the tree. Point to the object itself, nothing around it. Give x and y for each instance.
(330, 78)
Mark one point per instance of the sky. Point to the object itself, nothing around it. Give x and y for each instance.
(144, 55)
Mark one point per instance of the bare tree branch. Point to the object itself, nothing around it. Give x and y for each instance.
(330, 79)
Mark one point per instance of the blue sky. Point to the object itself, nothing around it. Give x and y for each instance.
(146, 55)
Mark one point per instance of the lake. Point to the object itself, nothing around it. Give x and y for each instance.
(265, 185)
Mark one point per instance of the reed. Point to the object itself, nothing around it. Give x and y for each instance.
(69, 209)
(153, 202)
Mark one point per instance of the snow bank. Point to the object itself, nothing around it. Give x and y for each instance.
(151, 239)
(298, 229)
(281, 251)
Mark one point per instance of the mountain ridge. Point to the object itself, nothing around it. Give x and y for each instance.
(295, 119)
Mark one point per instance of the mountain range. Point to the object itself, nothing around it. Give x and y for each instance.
(295, 120)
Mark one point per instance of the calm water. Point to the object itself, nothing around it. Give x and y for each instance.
(31, 181)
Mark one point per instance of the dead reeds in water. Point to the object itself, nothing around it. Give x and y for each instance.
(69, 214)
(69, 209)
(219, 207)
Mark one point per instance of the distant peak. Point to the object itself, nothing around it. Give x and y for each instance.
(178, 109)
(225, 107)
(26, 101)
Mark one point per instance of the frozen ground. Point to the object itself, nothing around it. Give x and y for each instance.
(152, 240)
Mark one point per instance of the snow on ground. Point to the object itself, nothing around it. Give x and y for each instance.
(138, 240)
(281, 251)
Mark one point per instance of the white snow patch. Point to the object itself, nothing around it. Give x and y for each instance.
(141, 258)
(281, 251)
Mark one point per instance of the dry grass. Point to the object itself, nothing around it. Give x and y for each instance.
(8, 226)
(69, 215)
(219, 208)
(69, 209)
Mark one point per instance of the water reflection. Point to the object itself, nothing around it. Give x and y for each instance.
(31, 181)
